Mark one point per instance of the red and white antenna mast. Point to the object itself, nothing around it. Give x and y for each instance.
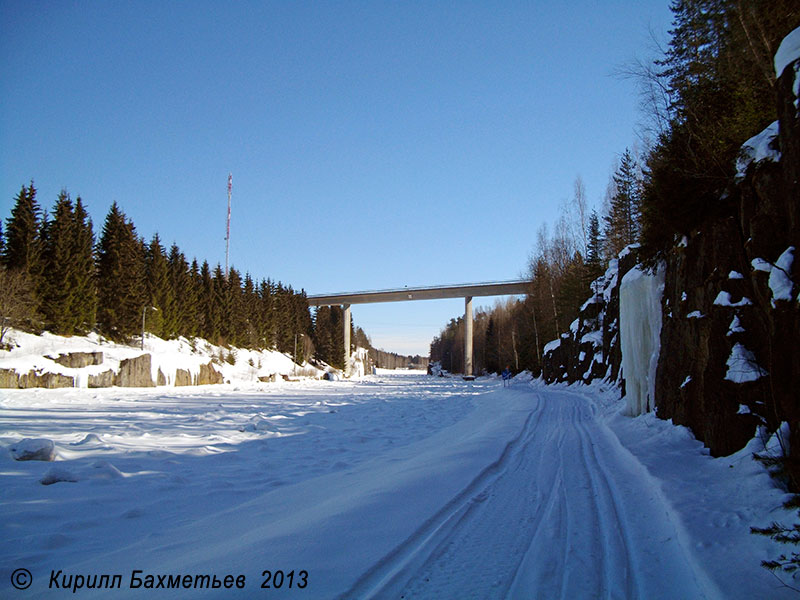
(228, 228)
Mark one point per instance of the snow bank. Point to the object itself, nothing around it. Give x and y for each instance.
(788, 52)
(780, 284)
(742, 365)
(640, 330)
(42, 353)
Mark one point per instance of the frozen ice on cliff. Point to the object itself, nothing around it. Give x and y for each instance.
(640, 328)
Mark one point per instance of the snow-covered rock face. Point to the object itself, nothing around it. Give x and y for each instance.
(640, 330)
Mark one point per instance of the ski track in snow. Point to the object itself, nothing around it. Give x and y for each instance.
(548, 516)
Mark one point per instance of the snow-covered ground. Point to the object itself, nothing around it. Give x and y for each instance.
(394, 486)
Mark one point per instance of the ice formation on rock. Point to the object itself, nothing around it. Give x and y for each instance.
(640, 329)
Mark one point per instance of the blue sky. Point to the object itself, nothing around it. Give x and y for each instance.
(372, 144)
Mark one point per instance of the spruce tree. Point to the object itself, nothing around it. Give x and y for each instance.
(210, 319)
(84, 280)
(21, 250)
(623, 220)
(266, 320)
(183, 283)
(160, 294)
(59, 265)
(594, 257)
(121, 290)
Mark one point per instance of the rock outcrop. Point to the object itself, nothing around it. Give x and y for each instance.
(135, 372)
(591, 349)
(132, 372)
(77, 360)
(731, 305)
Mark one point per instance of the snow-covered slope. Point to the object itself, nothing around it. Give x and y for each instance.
(38, 354)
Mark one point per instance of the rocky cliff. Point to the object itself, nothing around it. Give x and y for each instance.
(730, 337)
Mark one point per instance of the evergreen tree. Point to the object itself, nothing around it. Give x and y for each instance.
(718, 75)
(84, 280)
(492, 349)
(594, 258)
(160, 293)
(21, 250)
(234, 321)
(266, 320)
(59, 266)
(209, 311)
(183, 281)
(121, 286)
(622, 222)
(221, 300)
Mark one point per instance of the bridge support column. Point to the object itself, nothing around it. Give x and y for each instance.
(468, 336)
(346, 340)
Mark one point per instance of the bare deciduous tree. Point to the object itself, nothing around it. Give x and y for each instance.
(16, 303)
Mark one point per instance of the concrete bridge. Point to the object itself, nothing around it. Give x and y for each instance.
(406, 294)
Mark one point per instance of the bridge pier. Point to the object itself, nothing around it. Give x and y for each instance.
(346, 308)
(468, 336)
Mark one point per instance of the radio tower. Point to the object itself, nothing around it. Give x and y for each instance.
(228, 228)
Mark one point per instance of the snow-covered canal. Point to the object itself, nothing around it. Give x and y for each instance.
(397, 486)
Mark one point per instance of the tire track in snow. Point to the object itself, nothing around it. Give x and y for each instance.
(547, 519)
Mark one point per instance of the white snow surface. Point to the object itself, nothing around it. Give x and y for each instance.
(640, 329)
(398, 485)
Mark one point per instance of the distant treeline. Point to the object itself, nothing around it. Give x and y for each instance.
(55, 276)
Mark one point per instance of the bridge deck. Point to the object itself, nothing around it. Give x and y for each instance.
(497, 288)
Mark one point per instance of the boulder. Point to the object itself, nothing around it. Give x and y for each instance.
(208, 375)
(9, 379)
(78, 360)
(135, 372)
(102, 380)
(182, 377)
(34, 379)
(34, 449)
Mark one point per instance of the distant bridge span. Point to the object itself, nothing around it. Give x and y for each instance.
(406, 294)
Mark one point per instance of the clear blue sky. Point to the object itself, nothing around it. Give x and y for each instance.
(372, 144)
